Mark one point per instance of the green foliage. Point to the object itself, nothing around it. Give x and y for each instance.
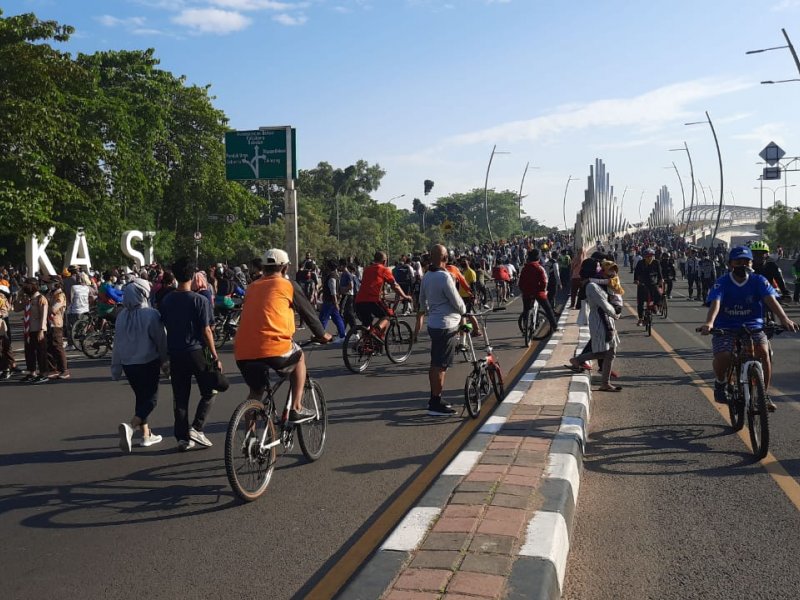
(783, 228)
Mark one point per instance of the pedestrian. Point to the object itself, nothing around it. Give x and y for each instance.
(8, 365)
(330, 299)
(575, 276)
(796, 272)
(140, 349)
(34, 327)
(57, 358)
(79, 299)
(189, 319)
(438, 295)
(347, 291)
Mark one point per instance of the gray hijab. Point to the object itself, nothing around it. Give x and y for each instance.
(134, 298)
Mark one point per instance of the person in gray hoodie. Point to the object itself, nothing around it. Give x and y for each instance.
(140, 348)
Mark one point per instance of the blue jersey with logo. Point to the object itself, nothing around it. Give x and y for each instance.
(740, 304)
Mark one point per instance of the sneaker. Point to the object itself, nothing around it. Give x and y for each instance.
(5, 375)
(70, 348)
(39, 379)
(486, 306)
(125, 435)
(15, 370)
(640, 322)
(199, 437)
(28, 378)
(302, 415)
(440, 409)
(771, 406)
(150, 440)
(720, 392)
(185, 446)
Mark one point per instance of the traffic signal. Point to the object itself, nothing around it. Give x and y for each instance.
(428, 186)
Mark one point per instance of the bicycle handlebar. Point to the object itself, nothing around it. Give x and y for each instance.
(485, 312)
(776, 329)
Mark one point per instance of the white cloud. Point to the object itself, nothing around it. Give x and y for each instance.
(785, 5)
(290, 20)
(253, 4)
(763, 134)
(111, 21)
(648, 111)
(147, 31)
(212, 20)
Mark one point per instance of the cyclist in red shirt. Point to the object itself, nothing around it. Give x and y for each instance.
(369, 302)
(533, 285)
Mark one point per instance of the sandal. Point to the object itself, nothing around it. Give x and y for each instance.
(573, 368)
(609, 388)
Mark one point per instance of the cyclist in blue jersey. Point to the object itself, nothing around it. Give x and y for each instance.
(738, 299)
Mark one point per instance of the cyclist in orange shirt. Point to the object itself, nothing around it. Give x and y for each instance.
(369, 302)
(266, 328)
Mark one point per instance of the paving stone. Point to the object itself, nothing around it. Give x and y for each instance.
(477, 583)
(464, 597)
(489, 468)
(492, 544)
(475, 486)
(475, 476)
(463, 511)
(525, 471)
(494, 564)
(436, 559)
(510, 501)
(444, 541)
(469, 498)
(510, 528)
(504, 513)
(423, 579)
(454, 525)
(521, 480)
(505, 459)
(513, 490)
(529, 460)
(407, 595)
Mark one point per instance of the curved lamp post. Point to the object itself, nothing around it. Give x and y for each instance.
(388, 202)
(721, 176)
(564, 207)
(486, 191)
(678, 173)
(519, 200)
(688, 218)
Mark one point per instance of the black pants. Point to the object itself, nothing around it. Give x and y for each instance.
(545, 305)
(182, 367)
(144, 381)
(708, 283)
(668, 288)
(693, 279)
(642, 292)
(348, 311)
(797, 290)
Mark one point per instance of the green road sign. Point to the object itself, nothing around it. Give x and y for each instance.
(259, 154)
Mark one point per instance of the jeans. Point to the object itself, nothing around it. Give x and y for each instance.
(144, 381)
(183, 366)
(329, 310)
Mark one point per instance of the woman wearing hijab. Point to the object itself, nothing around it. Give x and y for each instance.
(140, 348)
(200, 285)
(604, 338)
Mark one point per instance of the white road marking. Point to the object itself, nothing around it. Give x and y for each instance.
(408, 535)
(493, 424)
(463, 462)
(547, 537)
(565, 466)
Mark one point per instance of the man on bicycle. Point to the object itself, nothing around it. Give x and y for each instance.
(533, 286)
(768, 268)
(369, 301)
(264, 339)
(648, 278)
(737, 299)
(501, 277)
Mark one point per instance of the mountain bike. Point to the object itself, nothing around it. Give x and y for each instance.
(664, 311)
(362, 343)
(485, 371)
(97, 343)
(746, 389)
(226, 325)
(534, 324)
(256, 431)
(86, 324)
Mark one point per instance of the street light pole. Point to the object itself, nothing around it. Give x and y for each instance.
(486, 191)
(388, 202)
(571, 178)
(721, 177)
(791, 49)
(694, 186)
(519, 201)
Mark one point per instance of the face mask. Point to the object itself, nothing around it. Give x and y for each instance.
(740, 271)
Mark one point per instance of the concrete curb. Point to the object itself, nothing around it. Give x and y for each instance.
(538, 571)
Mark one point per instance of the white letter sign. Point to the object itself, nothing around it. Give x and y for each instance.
(36, 255)
(78, 254)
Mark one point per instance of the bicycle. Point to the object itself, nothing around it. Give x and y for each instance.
(746, 389)
(534, 324)
(86, 324)
(97, 343)
(650, 310)
(485, 371)
(664, 311)
(256, 430)
(362, 343)
(226, 325)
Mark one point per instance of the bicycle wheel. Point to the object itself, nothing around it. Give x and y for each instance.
(496, 377)
(399, 340)
(96, 344)
(522, 323)
(357, 349)
(735, 400)
(80, 330)
(311, 434)
(248, 467)
(757, 419)
(541, 325)
(219, 331)
(473, 398)
(664, 307)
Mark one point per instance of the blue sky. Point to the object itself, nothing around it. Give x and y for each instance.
(427, 87)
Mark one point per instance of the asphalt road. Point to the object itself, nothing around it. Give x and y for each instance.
(81, 520)
(671, 503)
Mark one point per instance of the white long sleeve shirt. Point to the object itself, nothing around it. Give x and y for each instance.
(439, 295)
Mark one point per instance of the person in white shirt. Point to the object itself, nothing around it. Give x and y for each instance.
(79, 297)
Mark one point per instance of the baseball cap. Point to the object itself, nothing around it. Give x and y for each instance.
(276, 256)
(5, 290)
(649, 252)
(740, 252)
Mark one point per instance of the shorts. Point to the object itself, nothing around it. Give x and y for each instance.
(366, 311)
(724, 343)
(443, 346)
(256, 371)
(469, 303)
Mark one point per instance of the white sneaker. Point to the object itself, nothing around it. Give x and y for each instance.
(184, 446)
(125, 435)
(150, 440)
(199, 437)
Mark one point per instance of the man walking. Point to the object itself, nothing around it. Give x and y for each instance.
(188, 319)
(438, 295)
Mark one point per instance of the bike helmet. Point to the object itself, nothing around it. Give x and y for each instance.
(759, 247)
